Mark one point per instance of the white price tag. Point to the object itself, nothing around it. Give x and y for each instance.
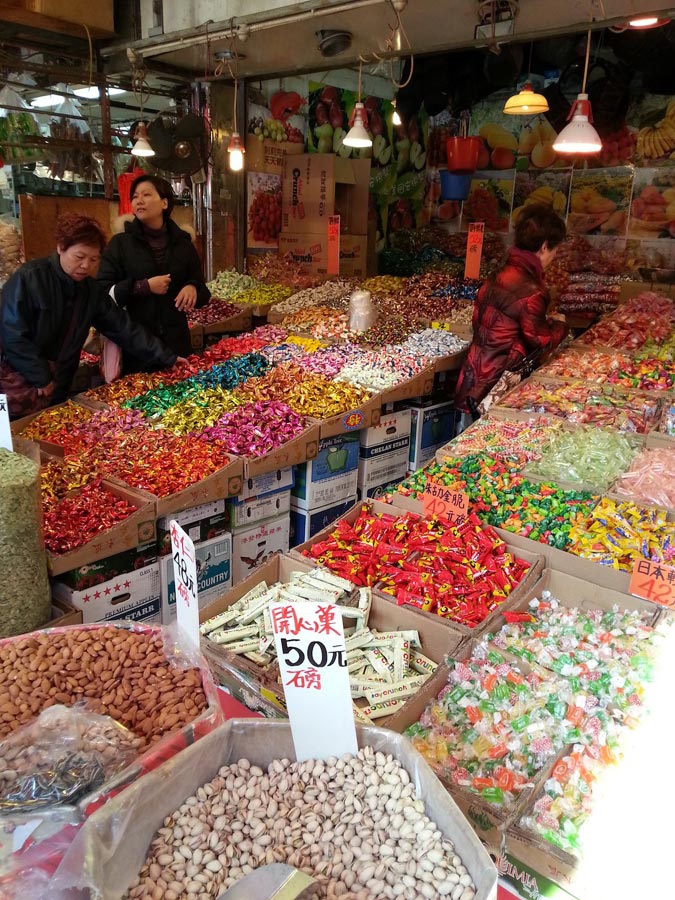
(5, 430)
(185, 576)
(310, 645)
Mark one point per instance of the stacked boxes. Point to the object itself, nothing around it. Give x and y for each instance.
(383, 453)
(214, 574)
(432, 426)
(131, 595)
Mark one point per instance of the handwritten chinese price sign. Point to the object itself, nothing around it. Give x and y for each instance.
(653, 581)
(310, 644)
(445, 502)
(185, 576)
(474, 250)
(5, 430)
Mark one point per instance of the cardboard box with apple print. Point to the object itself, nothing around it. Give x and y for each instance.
(331, 477)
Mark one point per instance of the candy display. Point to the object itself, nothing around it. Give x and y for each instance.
(433, 343)
(52, 421)
(215, 311)
(647, 316)
(331, 293)
(58, 477)
(319, 398)
(77, 518)
(594, 366)
(230, 282)
(121, 672)
(650, 478)
(616, 534)
(460, 573)
(261, 294)
(286, 796)
(256, 428)
(586, 455)
(380, 370)
(200, 410)
(520, 440)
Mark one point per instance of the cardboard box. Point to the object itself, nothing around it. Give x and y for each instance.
(251, 547)
(293, 452)
(197, 337)
(305, 523)
(523, 881)
(63, 614)
(132, 595)
(384, 451)
(352, 420)
(102, 570)
(331, 477)
(266, 483)
(268, 156)
(243, 515)
(98, 17)
(353, 254)
(377, 491)
(239, 322)
(136, 530)
(432, 426)
(420, 385)
(318, 185)
(200, 522)
(214, 574)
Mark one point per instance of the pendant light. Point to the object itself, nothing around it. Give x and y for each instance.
(235, 148)
(396, 118)
(526, 102)
(645, 22)
(142, 146)
(580, 137)
(357, 136)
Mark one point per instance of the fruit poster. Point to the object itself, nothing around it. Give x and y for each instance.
(329, 111)
(549, 188)
(600, 201)
(652, 211)
(490, 200)
(654, 117)
(434, 208)
(409, 141)
(264, 210)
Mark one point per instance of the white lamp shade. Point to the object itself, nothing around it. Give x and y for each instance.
(142, 146)
(357, 135)
(526, 103)
(236, 159)
(579, 136)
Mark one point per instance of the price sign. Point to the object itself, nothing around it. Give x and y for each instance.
(445, 502)
(653, 581)
(185, 576)
(474, 250)
(5, 430)
(333, 261)
(310, 644)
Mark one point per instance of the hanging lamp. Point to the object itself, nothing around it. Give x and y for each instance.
(580, 137)
(235, 148)
(142, 146)
(526, 102)
(641, 23)
(396, 118)
(357, 136)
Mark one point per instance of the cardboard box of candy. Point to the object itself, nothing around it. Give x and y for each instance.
(297, 450)
(398, 594)
(352, 420)
(239, 322)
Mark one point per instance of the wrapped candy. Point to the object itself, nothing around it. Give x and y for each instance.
(650, 478)
(77, 518)
(586, 455)
(522, 441)
(256, 428)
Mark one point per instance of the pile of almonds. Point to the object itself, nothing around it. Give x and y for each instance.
(355, 824)
(116, 672)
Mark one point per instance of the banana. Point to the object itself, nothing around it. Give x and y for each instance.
(668, 132)
(670, 110)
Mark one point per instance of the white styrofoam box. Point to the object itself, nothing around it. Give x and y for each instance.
(133, 595)
(384, 453)
(269, 483)
(331, 477)
(251, 547)
(214, 574)
(305, 523)
(431, 427)
(392, 427)
(243, 515)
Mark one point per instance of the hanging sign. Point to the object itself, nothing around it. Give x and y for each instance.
(5, 430)
(310, 644)
(445, 502)
(333, 254)
(185, 577)
(653, 581)
(474, 250)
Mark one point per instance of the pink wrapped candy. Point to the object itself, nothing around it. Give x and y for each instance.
(255, 429)
(650, 479)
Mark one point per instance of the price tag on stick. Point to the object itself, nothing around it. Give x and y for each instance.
(653, 581)
(5, 430)
(445, 502)
(474, 250)
(310, 644)
(185, 577)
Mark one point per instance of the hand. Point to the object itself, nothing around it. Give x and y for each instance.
(46, 391)
(187, 298)
(181, 361)
(159, 284)
(558, 317)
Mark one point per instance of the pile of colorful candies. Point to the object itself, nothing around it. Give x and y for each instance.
(492, 729)
(256, 429)
(646, 317)
(646, 374)
(433, 343)
(379, 370)
(319, 398)
(230, 282)
(595, 366)
(60, 476)
(305, 319)
(262, 295)
(215, 311)
(616, 534)
(522, 441)
(76, 519)
(55, 422)
(462, 573)
(197, 412)
(650, 478)
(332, 293)
(588, 456)
(501, 497)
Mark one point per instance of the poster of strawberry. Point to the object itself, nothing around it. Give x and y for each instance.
(264, 210)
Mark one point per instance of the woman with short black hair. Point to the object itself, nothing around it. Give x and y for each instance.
(152, 269)
(509, 315)
(46, 311)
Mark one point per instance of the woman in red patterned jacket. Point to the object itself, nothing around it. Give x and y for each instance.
(509, 315)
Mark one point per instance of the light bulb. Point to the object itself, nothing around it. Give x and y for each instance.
(142, 146)
(643, 22)
(396, 118)
(236, 160)
(357, 135)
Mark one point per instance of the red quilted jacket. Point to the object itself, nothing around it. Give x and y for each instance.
(509, 323)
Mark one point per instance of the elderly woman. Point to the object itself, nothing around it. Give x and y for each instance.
(509, 315)
(46, 310)
(153, 270)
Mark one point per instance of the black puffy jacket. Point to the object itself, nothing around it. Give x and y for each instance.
(128, 258)
(45, 316)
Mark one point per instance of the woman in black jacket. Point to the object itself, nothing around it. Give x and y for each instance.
(46, 311)
(153, 270)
